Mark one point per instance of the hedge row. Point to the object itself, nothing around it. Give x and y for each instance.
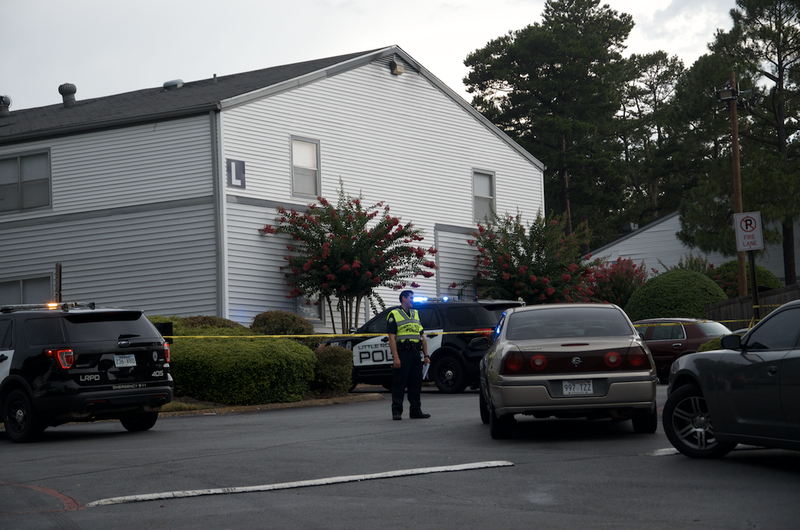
(242, 371)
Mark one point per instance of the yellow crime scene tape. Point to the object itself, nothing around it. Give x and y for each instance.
(321, 336)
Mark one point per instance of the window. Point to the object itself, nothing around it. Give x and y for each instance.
(310, 309)
(668, 332)
(30, 291)
(483, 191)
(778, 333)
(24, 182)
(305, 167)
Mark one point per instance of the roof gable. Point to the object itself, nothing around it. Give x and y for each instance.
(198, 97)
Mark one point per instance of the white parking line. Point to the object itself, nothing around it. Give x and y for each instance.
(663, 452)
(299, 484)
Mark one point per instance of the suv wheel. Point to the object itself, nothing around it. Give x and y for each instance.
(449, 375)
(139, 422)
(20, 419)
(687, 424)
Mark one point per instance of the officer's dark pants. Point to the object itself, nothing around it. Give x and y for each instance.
(408, 375)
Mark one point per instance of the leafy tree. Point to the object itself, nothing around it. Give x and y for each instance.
(555, 87)
(765, 41)
(537, 263)
(346, 251)
(651, 139)
(616, 281)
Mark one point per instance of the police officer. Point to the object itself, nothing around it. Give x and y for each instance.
(406, 340)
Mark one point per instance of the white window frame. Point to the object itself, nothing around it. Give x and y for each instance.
(318, 183)
(492, 198)
(20, 199)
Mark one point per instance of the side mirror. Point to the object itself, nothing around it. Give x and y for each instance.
(479, 344)
(731, 342)
(353, 330)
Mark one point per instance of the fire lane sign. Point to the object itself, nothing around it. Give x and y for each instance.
(748, 231)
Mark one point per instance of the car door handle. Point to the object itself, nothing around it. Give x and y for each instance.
(772, 370)
(432, 335)
(3, 358)
(677, 345)
(385, 339)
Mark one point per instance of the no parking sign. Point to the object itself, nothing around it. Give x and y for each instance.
(748, 231)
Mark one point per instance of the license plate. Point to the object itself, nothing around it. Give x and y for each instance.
(577, 386)
(122, 361)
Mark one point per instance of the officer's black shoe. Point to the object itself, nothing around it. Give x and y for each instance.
(397, 417)
(420, 416)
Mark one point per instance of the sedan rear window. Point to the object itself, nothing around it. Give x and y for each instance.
(713, 329)
(89, 327)
(567, 322)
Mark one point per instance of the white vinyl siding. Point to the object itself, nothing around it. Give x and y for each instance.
(162, 261)
(142, 164)
(456, 261)
(390, 138)
(394, 138)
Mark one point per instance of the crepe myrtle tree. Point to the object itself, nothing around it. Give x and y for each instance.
(347, 251)
(537, 263)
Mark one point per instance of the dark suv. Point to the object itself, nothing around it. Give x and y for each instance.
(75, 362)
(449, 328)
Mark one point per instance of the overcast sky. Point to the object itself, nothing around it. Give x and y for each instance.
(107, 47)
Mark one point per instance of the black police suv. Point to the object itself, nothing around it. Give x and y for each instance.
(449, 328)
(75, 362)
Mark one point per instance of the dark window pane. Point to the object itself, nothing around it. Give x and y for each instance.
(35, 194)
(778, 333)
(9, 197)
(88, 327)
(41, 331)
(5, 334)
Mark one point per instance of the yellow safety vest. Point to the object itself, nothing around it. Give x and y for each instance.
(409, 327)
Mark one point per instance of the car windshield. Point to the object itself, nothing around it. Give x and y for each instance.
(713, 329)
(567, 322)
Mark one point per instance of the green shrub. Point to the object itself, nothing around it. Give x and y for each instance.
(202, 326)
(727, 277)
(278, 322)
(241, 371)
(675, 293)
(333, 373)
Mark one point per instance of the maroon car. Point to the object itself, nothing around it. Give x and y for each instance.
(669, 338)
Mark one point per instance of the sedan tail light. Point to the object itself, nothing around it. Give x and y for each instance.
(515, 363)
(167, 352)
(569, 361)
(65, 358)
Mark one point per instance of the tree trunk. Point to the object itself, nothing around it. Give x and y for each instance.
(789, 267)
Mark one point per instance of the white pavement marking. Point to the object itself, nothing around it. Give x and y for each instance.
(663, 452)
(299, 484)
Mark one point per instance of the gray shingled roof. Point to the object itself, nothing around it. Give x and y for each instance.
(152, 103)
(196, 97)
